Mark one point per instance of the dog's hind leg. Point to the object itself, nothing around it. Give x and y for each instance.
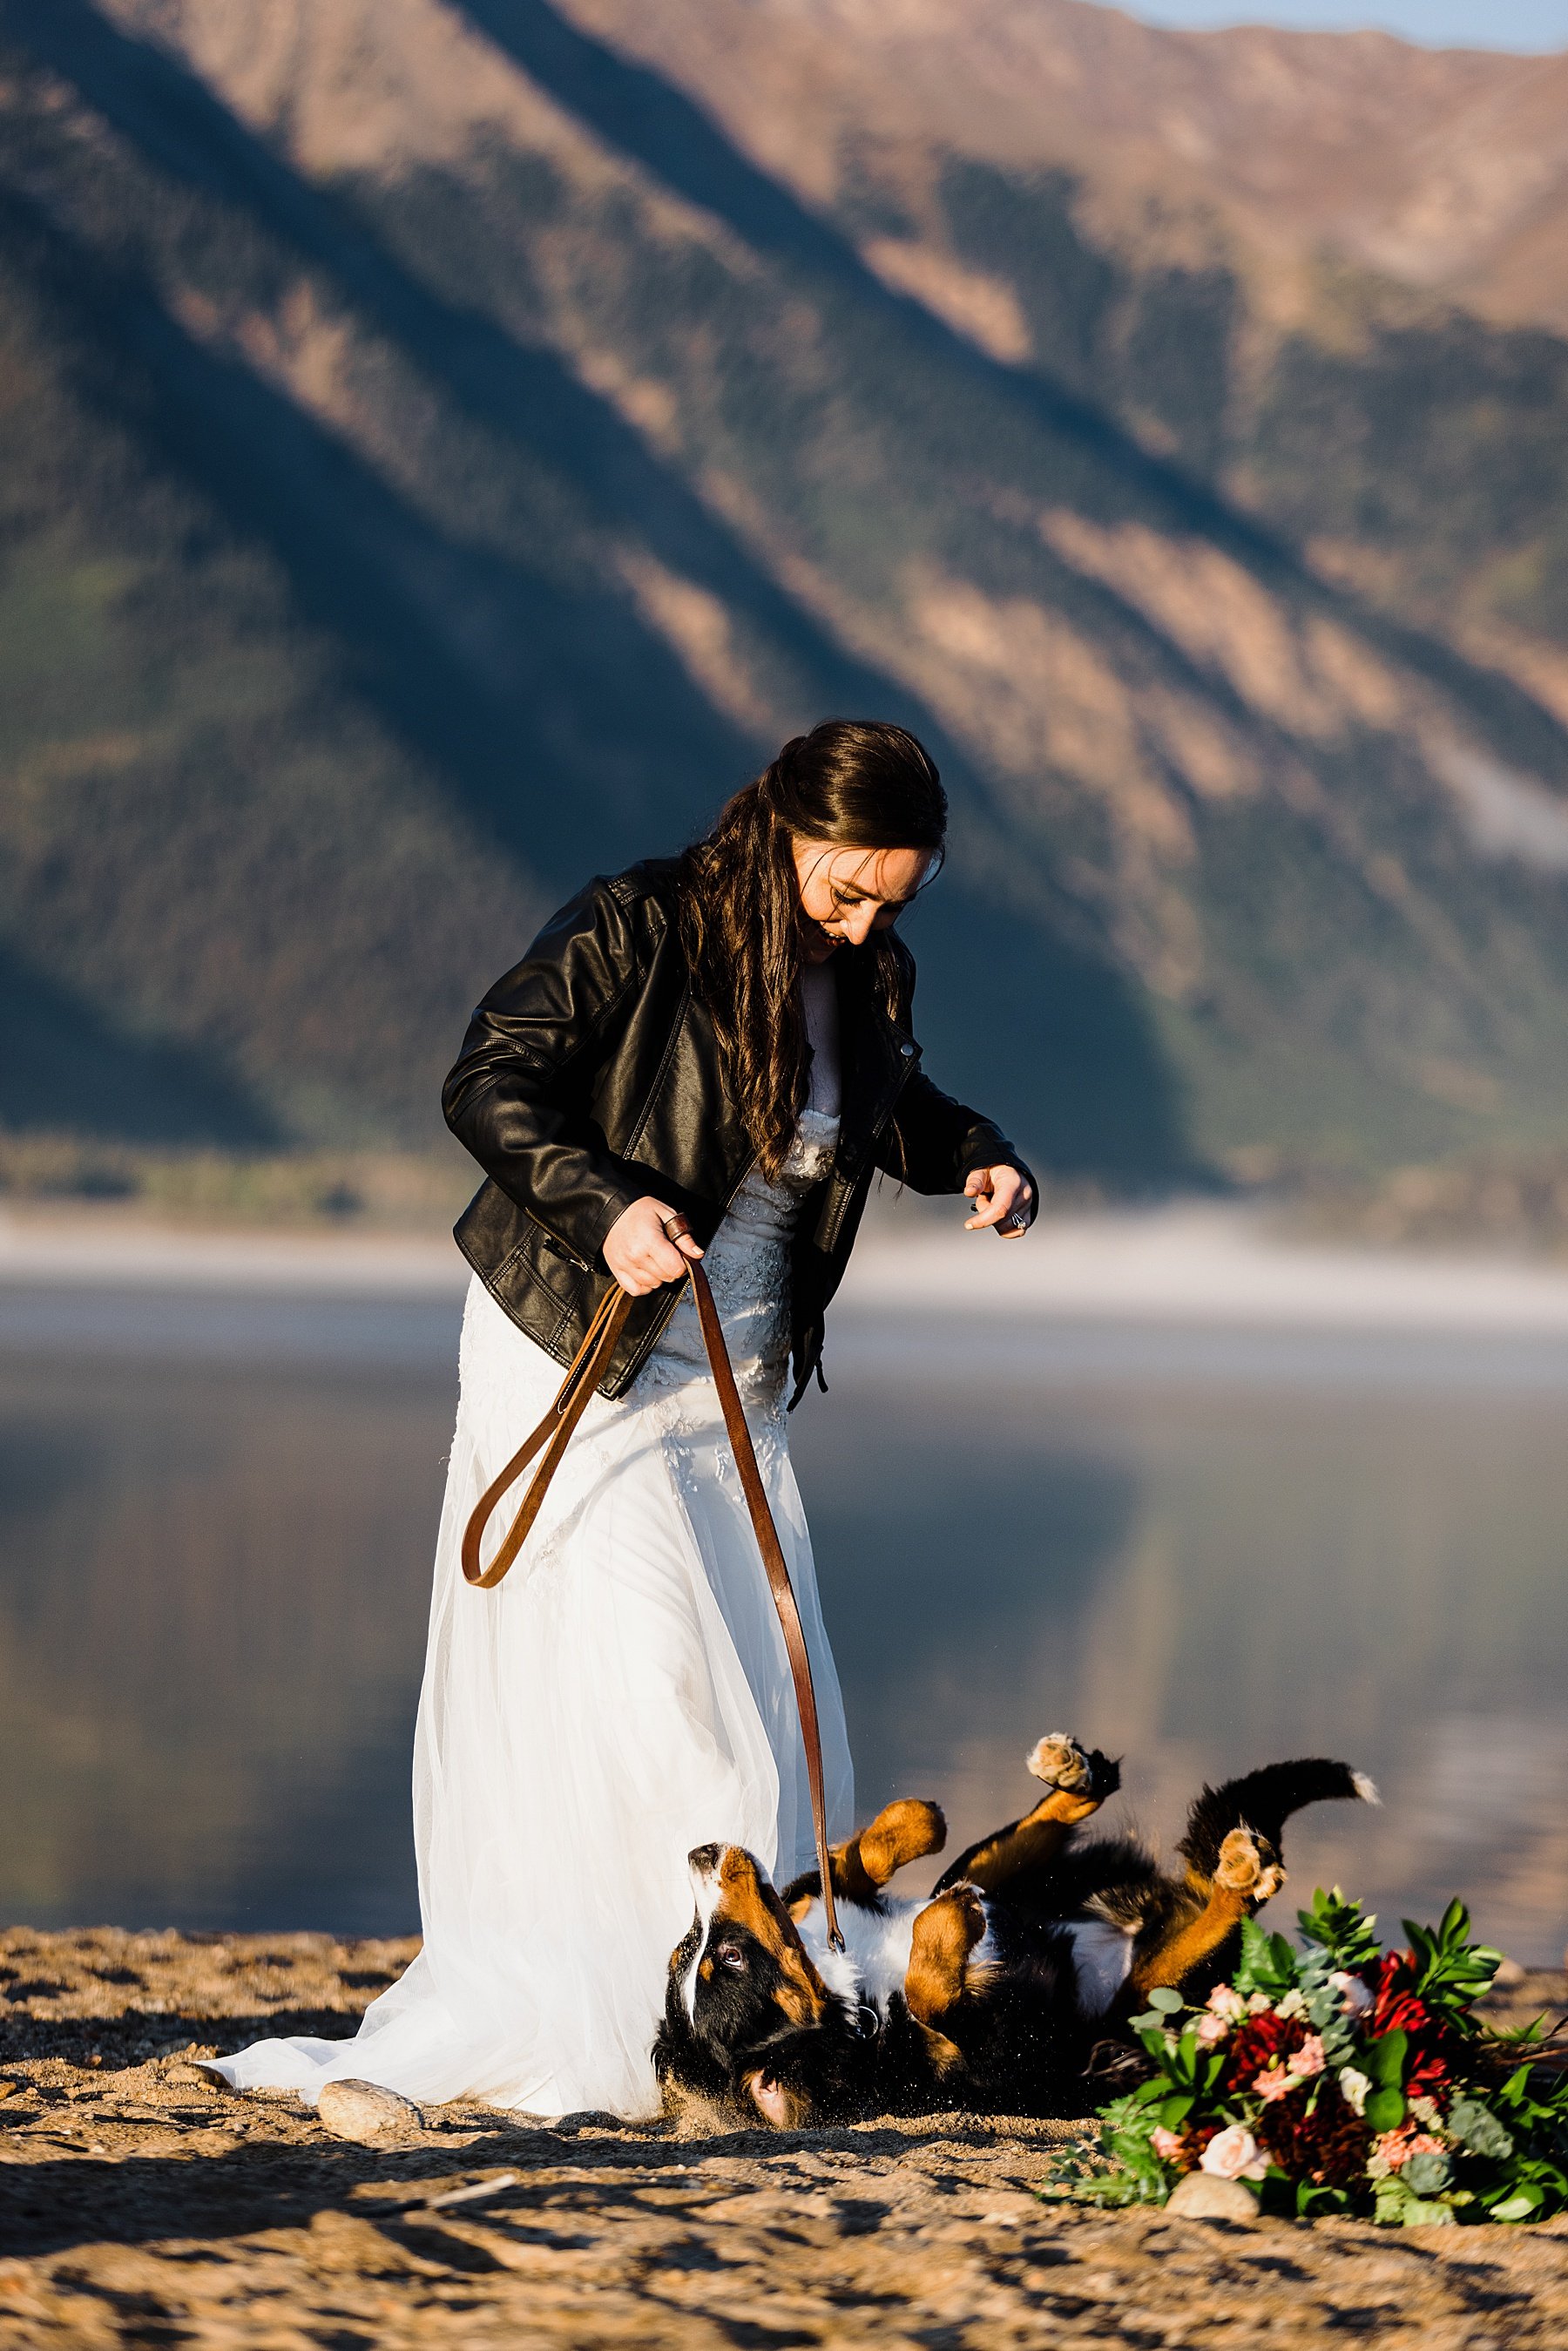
(1079, 1782)
(1246, 1872)
(941, 1947)
(904, 1831)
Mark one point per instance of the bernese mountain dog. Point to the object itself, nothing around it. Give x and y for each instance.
(989, 1993)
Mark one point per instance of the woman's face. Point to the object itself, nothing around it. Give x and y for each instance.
(847, 893)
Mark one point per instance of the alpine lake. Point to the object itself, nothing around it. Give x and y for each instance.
(1199, 1549)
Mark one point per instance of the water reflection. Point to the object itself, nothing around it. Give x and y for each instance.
(216, 1516)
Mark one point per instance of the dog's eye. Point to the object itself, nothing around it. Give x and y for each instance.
(730, 1955)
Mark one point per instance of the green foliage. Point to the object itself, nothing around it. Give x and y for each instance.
(343, 626)
(1342, 1930)
(1451, 1972)
(1439, 2147)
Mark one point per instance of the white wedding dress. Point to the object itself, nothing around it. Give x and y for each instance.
(623, 1696)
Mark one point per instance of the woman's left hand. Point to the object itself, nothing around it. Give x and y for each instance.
(1003, 1197)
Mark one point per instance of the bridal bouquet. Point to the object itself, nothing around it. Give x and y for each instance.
(1339, 2078)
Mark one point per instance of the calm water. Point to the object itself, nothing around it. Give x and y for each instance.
(216, 1516)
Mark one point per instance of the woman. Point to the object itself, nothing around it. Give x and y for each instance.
(724, 1036)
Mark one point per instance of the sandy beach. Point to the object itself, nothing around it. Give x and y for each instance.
(141, 2204)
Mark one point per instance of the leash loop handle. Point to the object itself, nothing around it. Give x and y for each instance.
(552, 1438)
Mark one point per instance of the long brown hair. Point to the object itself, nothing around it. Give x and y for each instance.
(857, 783)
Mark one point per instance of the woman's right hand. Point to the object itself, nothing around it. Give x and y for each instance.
(640, 1253)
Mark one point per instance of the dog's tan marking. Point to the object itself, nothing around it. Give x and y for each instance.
(944, 1936)
(1037, 1839)
(746, 1900)
(1243, 1880)
(902, 1832)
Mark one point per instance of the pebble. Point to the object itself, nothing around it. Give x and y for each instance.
(368, 2114)
(1202, 2197)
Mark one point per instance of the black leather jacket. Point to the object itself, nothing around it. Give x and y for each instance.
(590, 1077)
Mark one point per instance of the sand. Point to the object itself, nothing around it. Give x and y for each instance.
(141, 2204)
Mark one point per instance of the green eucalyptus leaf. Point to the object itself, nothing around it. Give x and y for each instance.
(1166, 1999)
(1420, 2214)
(1477, 2128)
(1427, 2174)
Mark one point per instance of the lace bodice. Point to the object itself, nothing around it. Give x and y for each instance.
(747, 1263)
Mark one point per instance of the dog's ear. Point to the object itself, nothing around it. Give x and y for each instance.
(782, 2105)
(748, 1899)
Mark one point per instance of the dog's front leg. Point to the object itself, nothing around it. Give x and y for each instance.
(942, 1967)
(1078, 1780)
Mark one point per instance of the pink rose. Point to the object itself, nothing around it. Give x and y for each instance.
(1309, 2058)
(1233, 2154)
(1275, 2084)
(1210, 2028)
(1224, 2001)
(1397, 2147)
(1259, 2004)
(1165, 2144)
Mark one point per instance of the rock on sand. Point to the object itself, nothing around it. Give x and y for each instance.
(367, 2115)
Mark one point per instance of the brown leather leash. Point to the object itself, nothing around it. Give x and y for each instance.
(553, 1434)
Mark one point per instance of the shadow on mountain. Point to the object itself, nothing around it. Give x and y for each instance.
(557, 717)
(68, 1070)
(633, 108)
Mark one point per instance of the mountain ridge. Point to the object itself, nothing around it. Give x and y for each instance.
(547, 458)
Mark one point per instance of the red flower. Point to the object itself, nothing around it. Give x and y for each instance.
(1322, 2140)
(1193, 2143)
(1396, 2008)
(1258, 2041)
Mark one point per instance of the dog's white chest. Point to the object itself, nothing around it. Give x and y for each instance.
(875, 1956)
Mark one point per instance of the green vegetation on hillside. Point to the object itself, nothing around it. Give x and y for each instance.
(381, 553)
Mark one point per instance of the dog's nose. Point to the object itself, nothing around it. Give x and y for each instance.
(704, 1859)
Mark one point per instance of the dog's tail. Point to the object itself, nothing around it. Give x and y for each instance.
(1263, 1801)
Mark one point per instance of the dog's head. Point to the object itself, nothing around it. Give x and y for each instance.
(750, 2031)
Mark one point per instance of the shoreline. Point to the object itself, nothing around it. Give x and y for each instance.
(1191, 1265)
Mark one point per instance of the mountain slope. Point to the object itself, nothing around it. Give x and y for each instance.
(461, 459)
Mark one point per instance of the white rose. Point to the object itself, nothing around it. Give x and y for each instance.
(1352, 2088)
(1353, 1991)
(1233, 2154)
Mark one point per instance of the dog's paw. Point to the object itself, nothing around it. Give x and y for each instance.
(1249, 1865)
(1062, 1764)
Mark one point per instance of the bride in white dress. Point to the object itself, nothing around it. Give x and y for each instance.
(625, 1694)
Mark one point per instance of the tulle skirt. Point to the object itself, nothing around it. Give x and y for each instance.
(623, 1696)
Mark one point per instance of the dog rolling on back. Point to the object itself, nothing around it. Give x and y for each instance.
(990, 1993)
